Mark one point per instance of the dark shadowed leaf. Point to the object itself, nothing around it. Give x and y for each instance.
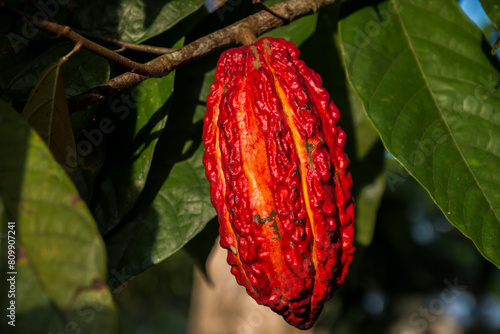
(142, 116)
(201, 245)
(431, 91)
(82, 71)
(180, 211)
(173, 209)
(134, 20)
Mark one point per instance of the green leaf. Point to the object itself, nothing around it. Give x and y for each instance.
(432, 94)
(143, 114)
(47, 112)
(181, 210)
(322, 53)
(61, 260)
(134, 20)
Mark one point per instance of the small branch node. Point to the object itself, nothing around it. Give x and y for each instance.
(64, 31)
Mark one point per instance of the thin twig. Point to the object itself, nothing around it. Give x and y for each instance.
(66, 32)
(125, 45)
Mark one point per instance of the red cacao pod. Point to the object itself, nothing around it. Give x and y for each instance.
(279, 179)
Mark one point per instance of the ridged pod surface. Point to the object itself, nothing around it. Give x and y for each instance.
(279, 179)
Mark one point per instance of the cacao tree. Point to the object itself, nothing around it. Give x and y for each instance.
(102, 174)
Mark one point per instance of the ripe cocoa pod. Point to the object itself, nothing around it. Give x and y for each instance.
(279, 179)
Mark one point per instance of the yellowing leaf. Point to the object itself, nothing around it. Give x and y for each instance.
(47, 112)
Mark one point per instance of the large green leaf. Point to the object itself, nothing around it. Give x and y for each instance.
(142, 116)
(432, 94)
(47, 113)
(61, 260)
(181, 210)
(134, 20)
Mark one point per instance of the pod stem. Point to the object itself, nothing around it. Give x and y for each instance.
(245, 36)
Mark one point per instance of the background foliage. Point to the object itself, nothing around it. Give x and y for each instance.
(103, 194)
